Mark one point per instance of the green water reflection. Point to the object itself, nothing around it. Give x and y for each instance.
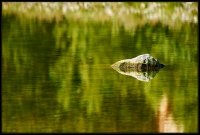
(56, 77)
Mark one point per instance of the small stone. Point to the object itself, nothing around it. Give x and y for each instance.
(143, 67)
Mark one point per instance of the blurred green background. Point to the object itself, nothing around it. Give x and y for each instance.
(56, 74)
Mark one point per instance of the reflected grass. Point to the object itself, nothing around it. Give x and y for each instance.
(58, 75)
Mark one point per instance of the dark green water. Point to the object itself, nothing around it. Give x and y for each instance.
(56, 77)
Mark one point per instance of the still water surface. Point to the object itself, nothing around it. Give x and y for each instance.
(56, 77)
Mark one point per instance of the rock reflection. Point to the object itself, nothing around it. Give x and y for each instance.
(142, 76)
(143, 67)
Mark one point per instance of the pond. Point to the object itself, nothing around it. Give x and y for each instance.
(57, 77)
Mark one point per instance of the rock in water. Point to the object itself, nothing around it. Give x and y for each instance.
(143, 67)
